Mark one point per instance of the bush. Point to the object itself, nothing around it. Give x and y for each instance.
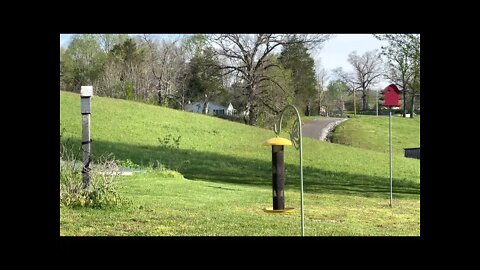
(127, 164)
(102, 190)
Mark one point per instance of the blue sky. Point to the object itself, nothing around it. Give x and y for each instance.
(336, 50)
(333, 54)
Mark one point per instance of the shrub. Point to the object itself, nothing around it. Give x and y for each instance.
(128, 164)
(102, 190)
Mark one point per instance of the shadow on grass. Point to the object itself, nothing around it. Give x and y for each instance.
(214, 167)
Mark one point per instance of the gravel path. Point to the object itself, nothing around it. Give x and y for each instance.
(319, 128)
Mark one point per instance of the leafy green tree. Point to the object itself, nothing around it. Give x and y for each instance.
(127, 58)
(108, 41)
(194, 45)
(204, 78)
(295, 57)
(82, 62)
(274, 95)
(62, 67)
(403, 56)
(337, 92)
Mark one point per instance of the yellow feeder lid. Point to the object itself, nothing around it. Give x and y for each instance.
(277, 141)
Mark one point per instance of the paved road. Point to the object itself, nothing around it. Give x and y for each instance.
(319, 128)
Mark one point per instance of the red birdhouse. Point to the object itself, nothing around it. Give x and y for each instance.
(391, 96)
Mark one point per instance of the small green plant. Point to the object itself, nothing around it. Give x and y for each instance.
(170, 141)
(62, 131)
(128, 164)
(129, 93)
(156, 165)
(102, 190)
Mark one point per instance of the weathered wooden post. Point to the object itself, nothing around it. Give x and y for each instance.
(85, 97)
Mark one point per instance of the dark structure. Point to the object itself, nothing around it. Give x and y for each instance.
(278, 171)
(412, 152)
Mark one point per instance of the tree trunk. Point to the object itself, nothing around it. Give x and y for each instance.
(319, 107)
(308, 109)
(364, 101)
(160, 99)
(252, 115)
(354, 103)
(404, 102)
(412, 107)
(205, 105)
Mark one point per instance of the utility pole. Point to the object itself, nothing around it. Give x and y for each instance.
(354, 104)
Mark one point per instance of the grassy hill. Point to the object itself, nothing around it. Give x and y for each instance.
(371, 132)
(227, 178)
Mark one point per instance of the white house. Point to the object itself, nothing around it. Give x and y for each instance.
(212, 108)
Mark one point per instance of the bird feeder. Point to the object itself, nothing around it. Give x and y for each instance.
(278, 174)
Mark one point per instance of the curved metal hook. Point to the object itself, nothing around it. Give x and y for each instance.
(297, 142)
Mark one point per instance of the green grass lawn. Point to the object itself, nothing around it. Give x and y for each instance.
(371, 132)
(227, 178)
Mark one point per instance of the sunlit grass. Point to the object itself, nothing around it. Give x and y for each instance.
(228, 178)
(372, 132)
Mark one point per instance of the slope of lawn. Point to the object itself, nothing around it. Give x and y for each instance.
(371, 132)
(227, 178)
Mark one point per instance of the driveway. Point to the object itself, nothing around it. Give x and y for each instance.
(319, 128)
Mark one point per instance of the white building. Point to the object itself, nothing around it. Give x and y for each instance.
(212, 108)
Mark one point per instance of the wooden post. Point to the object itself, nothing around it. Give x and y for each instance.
(85, 98)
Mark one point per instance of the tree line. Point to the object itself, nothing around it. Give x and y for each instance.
(258, 73)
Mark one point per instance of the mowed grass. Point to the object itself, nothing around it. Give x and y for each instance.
(371, 132)
(227, 179)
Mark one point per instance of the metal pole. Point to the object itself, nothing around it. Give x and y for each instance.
(278, 131)
(390, 134)
(85, 98)
(301, 175)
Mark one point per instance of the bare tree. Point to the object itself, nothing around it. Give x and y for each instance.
(245, 55)
(167, 64)
(367, 69)
(349, 80)
(403, 57)
(108, 41)
(322, 77)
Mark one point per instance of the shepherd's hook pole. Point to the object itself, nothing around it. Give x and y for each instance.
(390, 133)
(300, 147)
